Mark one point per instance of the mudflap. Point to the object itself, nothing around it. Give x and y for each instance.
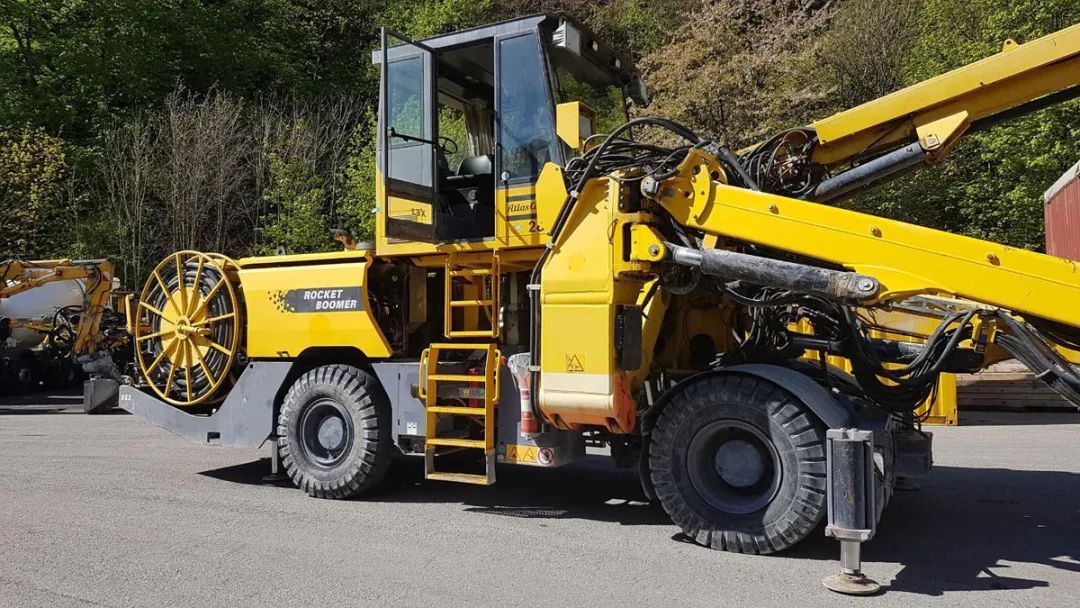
(244, 419)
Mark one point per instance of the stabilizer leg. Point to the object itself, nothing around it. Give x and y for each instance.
(850, 457)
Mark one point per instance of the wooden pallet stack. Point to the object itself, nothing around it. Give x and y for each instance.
(1007, 386)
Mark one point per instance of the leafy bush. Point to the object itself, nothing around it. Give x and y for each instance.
(33, 192)
(295, 218)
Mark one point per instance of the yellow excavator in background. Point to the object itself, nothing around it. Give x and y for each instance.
(756, 353)
(60, 321)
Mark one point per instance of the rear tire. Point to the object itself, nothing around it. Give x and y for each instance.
(334, 432)
(739, 464)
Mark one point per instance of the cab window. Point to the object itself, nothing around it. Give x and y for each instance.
(406, 103)
(526, 122)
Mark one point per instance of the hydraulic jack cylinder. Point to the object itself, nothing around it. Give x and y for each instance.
(849, 457)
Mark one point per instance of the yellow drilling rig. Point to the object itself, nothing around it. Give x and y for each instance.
(60, 320)
(536, 287)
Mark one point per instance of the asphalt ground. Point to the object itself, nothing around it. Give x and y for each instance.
(110, 511)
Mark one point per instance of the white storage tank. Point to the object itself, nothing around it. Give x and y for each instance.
(38, 304)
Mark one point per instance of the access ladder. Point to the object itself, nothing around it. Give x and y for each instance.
(472, 296)
(459, 395)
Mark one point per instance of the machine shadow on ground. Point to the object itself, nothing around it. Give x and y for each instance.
(42, 403)
(592, 490)
(958, 533)
(961, 531)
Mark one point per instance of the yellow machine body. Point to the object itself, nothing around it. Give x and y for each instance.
(581, 296)
(604, 261)
(764, 359)
(497, 257)
(298, 302)
(519, 216)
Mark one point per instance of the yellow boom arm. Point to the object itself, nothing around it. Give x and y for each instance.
(921, 124)
(937, 112)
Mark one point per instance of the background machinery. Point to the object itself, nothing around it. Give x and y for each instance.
(60, 321)
(757, 354)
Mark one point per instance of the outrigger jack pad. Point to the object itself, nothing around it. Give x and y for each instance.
(851, 584)
(100, 395)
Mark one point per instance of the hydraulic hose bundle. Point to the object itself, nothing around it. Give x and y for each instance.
(1027, 345)
(788, 291)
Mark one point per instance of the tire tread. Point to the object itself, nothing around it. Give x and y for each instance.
(370, 410)
(806, 434)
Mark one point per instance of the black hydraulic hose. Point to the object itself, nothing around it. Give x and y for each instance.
(915, 381)
(733, 162)
(556, 230)
(1024, 343)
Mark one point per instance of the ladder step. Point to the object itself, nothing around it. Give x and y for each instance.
(457, 443)
(455, 378)
(481, 480)
(471, 272)
(459, 392)
(484, 333)
(457, 411)
(461, 346)
(465, 303)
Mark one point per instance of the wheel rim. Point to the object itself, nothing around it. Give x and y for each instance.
(325, 432)
(187, 327)
(734, 467)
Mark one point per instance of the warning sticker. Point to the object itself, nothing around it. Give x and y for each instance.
(575, 363)
(521, 454)
(545, 456)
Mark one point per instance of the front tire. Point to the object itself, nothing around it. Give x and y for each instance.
(739, 464)
(334, 433)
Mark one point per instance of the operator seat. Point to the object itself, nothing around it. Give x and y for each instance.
(477, 165)
(470, 194)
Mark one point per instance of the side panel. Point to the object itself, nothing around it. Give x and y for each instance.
(399, 380)
(581, 381)
(516, 221)
(294, 307)
(244, 420)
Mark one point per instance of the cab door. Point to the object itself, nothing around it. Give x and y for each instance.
(525, 136)
(408, 127)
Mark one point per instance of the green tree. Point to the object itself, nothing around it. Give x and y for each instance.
(33, 189)
(296, 220)
(991, 187)
(740, 70)
(356, 212)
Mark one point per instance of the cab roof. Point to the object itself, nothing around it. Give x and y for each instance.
(597, 61)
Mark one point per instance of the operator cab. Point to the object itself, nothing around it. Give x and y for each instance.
(467, 121)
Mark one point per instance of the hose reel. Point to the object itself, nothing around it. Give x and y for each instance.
(188, 328)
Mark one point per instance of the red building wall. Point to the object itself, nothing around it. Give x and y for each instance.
(1062, 215)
